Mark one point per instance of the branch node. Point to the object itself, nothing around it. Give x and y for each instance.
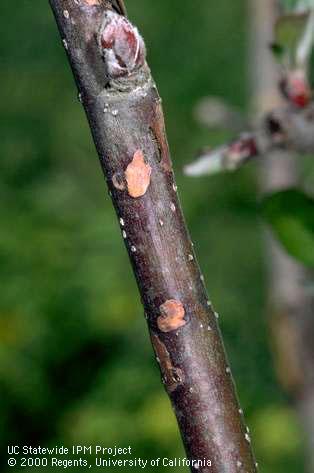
(121, 45)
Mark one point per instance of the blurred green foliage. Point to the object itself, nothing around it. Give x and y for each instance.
(289, 33)
(290, 214)
(293, 5)
(76, 364)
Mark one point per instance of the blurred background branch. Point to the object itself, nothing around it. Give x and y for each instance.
(290, 303)
(285, 128)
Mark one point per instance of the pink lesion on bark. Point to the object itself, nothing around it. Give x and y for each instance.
(138, 175)
(172, 316)
(92, 2)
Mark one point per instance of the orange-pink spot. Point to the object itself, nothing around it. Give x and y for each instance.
(92, 2)
(172, 316)
(138, 175)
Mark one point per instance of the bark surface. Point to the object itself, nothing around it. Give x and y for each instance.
(126, 120)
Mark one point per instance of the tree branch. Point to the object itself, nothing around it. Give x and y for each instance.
(122, 104)
(286, 128)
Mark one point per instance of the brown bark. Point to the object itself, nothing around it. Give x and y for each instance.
(291, 307)
(126, 121)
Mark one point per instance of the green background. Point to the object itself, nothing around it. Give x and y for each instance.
(76, 365)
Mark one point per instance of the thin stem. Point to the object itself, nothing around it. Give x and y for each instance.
(126, 121)
(286, 128)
